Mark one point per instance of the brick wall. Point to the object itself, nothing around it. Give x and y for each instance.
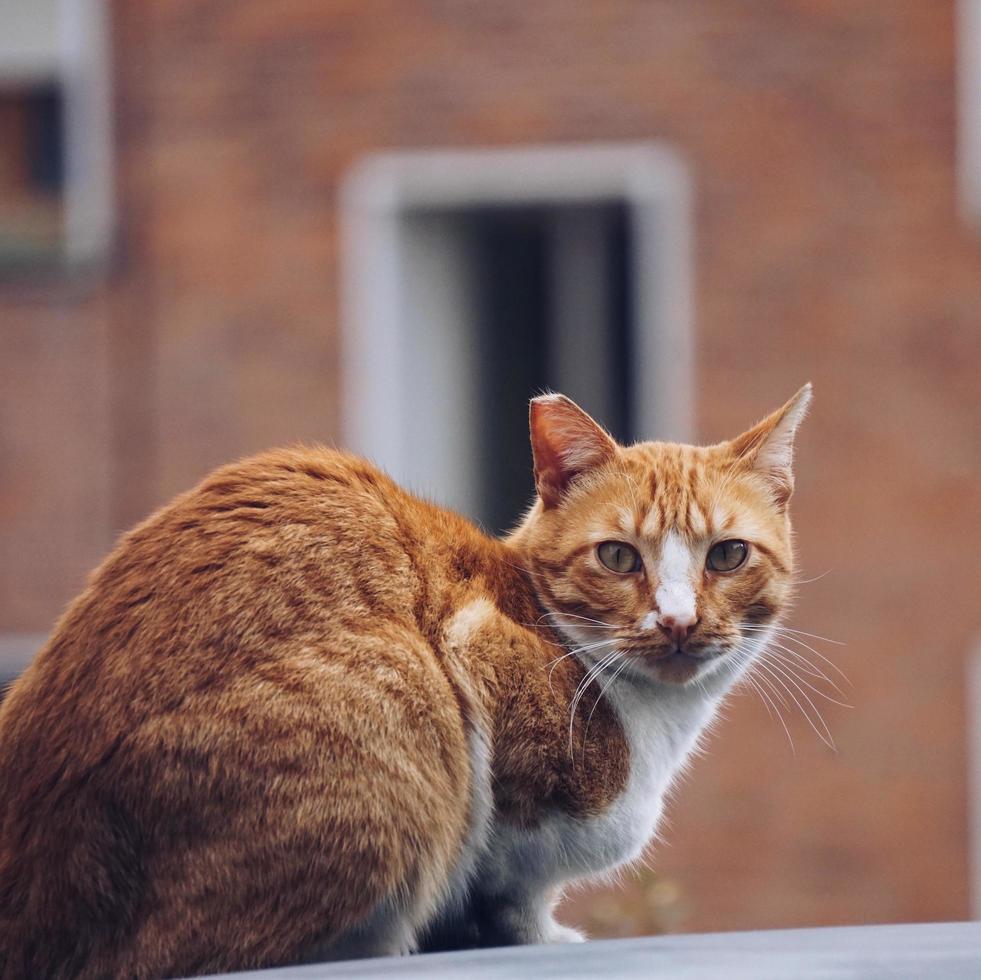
(820, 137)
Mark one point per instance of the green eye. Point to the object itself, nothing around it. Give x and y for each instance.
(727, 556)
(619, 557)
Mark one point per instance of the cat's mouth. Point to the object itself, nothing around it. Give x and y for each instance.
(653, 659)
(674, 665)
(677, 666)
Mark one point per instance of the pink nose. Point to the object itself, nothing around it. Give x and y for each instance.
(677, 627)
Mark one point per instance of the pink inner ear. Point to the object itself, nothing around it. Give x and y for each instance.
(566, 442)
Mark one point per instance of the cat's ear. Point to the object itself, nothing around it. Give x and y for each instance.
(768, 448)
(565, 443)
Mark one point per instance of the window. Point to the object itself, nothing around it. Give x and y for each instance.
(55, 179)
(476, 279)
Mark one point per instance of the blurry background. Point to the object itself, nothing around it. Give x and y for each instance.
(230, 225)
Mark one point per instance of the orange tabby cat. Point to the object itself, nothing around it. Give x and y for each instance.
(300, 714)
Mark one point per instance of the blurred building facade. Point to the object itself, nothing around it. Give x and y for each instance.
(818, 139)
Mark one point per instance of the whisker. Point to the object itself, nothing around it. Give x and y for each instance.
(568, 615)
(805, 666)
(584, 685)
(768, 703)
(749, 682)
(585, 626)
(777, 694)
(791, 637)
(555, 663)
(796, 632)
(571, 653)
(775, 678)
(781, 678)
(813, 636)
(616, 673)
(581, 648)
(791, 668)
(817, 713)
(817, 578)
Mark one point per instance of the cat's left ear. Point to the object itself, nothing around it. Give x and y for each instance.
(565, 443)
(768, 448)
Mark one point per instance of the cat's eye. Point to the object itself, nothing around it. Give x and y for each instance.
(727, 556)
(619, 557)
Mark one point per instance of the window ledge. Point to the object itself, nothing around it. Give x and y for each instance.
(897, 952)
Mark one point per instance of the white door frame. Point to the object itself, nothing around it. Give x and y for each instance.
(650, 179)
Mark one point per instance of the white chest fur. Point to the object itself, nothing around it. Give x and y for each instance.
(662, 728)
(517, 868)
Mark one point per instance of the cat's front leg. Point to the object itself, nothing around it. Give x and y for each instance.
(559, 933)
(496, 918)
(522, 919)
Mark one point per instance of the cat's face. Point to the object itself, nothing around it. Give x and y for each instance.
(669, 559)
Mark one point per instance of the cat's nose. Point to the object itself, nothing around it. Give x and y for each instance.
(677, 627)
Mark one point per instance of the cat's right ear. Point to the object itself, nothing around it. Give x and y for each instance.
(565, 443)
(768, 448)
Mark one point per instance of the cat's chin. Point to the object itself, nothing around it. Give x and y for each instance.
(677, 667)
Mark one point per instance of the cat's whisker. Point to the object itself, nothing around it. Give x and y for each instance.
(552, 664)
(780, 697)
(793, 636)
(812, 668)
(793, 669)
(616, 673)
(584, 619)
(812, 636)
(584, 685)
(593, 671)
(775, 683)
(594, 645)
(830, 663)
(771, 708)
(782, 678)
(814, 708)
(802, 664)
(750, 683)
(586, 626)
(787, 629)
(580, 648)
(817, 578)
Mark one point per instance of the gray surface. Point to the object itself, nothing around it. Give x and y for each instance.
(914, 952)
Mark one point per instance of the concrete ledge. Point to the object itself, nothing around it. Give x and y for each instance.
(905, 952)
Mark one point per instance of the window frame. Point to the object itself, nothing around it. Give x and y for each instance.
(649, 178)
(78, 63)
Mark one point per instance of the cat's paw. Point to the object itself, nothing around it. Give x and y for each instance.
(558, 933)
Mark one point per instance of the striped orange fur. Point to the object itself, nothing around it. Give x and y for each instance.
(299, 713)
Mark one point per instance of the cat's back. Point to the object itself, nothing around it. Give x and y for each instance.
(233, 654)
(275, 545)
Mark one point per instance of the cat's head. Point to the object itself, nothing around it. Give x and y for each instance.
(676, 557)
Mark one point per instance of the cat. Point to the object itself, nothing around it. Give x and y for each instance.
(300, 714)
